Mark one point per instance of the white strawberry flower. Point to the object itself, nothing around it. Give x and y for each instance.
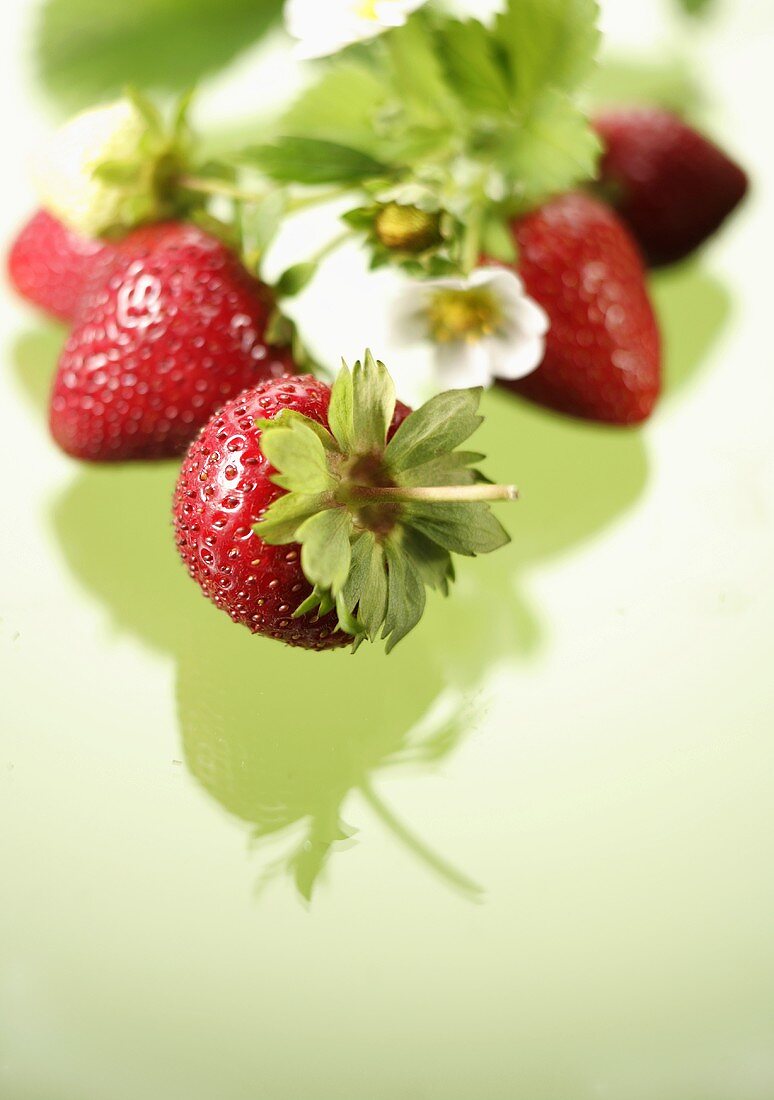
(66, 176)
(324, 27)
(480, 328)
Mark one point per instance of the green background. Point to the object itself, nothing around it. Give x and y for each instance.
(538, 838)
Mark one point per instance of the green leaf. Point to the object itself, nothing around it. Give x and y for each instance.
(467, 529)
(369, 544)
(696, 7)
(553, 151)
(340, 108)
(414, 67)
(473, 68)
(280, 523)
(293, 281)
(433, 563)
(448, 469)
(119, 172)
(325, 548)
(362, 405)
(296, 450)
(372, 605)
(405, 596)
(440, 425)
(549, 43)
(260, 222)
(312, 161)
(87, 50)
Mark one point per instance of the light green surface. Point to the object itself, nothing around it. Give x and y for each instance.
(560, 884)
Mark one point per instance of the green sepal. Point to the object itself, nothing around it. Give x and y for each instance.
(362, 406)
(369, 560)
(439, 426)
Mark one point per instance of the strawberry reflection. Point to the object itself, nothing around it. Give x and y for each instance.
(295, 744)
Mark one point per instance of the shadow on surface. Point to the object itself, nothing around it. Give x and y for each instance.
(282, 738)
(34, 356)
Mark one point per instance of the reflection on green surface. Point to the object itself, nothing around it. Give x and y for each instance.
(34, 356)
(282, 738)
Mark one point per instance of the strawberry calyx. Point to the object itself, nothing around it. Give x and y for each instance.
(378, 520)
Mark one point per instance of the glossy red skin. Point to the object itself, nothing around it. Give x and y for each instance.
(174, 331)
(223, 489)
(672, 186)
(603, 350)
(51, 266)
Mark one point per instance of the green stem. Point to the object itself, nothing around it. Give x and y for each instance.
(438, 494)
(436, 863)
(471, 245)
(331, 246)
(304, 202)
(219, 187)
(206, 186)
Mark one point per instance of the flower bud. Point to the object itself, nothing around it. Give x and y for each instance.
(407, 228)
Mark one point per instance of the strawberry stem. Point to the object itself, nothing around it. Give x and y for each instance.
(445, 871)
(211, 186)
(219, 187)
(451, 494)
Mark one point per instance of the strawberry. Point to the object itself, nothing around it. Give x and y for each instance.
(602, 359)
(670, 184)
(50, 265)
(318, 516)
(175, 330)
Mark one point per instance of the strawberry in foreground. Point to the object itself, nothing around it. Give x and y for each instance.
(672, 186)
(51, 265)
(318, 516)
(175, 330)
(603, 353)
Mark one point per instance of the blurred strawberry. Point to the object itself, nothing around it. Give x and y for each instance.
(602, 359)
(175, 330)
(672, 186)
(51, 266)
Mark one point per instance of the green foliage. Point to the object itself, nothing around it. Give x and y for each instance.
(696, 7)
(87, 50)
(457, 105)
(370, 557)
(549, 43)
(311, 161)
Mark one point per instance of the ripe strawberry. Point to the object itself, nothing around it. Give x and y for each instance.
(672, 186)
(174, 331)
(602, 359)
(51, 266)
(365, 484)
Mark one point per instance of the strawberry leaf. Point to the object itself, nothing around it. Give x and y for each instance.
(474, 67)
(549, 44)
(311, 161)
(87, 50)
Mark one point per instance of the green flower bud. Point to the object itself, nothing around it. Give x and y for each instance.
(407, 228)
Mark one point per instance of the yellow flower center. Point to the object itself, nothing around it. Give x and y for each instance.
(367, 10)
(466, 315)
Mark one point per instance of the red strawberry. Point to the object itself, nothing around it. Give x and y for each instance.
(602, 359)
(51, 266)
(672, 186)
(175, 330)
(313, 466)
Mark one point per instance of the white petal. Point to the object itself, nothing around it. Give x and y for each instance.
(517, 357)
(530, 318)
(460, 365)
